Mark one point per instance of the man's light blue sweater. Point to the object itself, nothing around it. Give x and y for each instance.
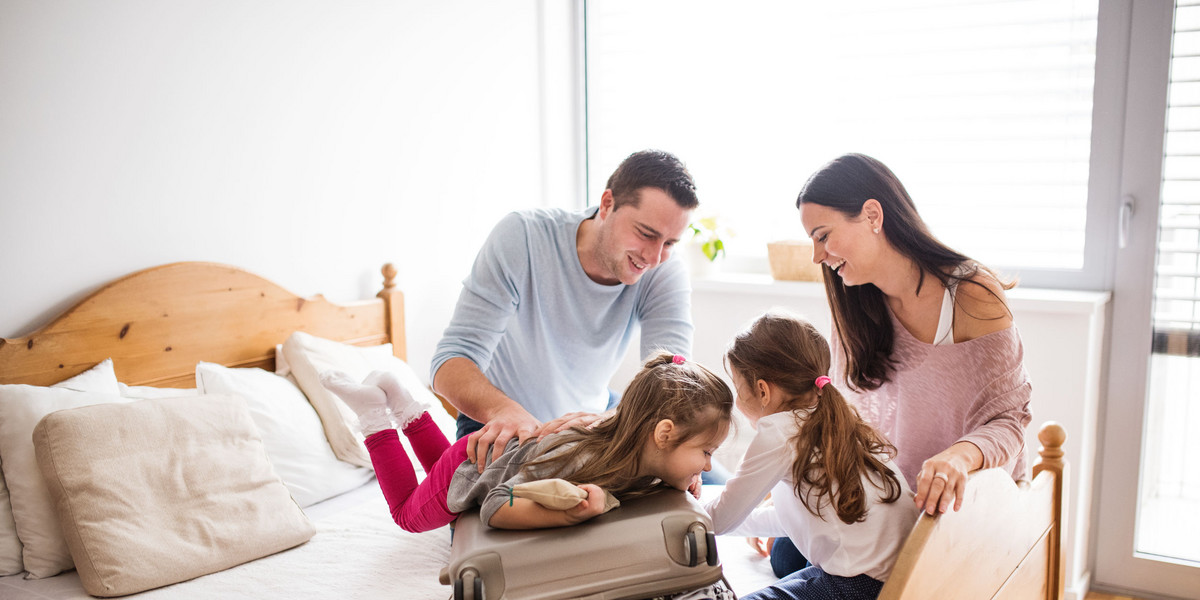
(542, 331)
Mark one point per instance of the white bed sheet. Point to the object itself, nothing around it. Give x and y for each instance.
(357, 553)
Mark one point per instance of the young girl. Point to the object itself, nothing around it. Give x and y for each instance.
(834, 489)
(671, 418)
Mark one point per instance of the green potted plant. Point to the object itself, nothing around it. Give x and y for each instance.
(705, 232)
(705, 246)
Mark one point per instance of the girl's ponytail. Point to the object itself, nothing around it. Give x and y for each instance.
(834, 447)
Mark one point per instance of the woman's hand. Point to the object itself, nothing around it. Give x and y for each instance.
(943, 478)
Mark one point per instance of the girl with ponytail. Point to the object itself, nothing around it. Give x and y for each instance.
(834, 486)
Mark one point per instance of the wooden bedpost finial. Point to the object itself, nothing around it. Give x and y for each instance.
(1052, 436)
(389, 276)
(1050, 459)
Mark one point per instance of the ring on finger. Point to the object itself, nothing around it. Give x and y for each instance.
(942, 476)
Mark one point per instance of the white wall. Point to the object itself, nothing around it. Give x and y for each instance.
(308, 141)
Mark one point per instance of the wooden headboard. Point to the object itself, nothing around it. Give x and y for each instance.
(1005, 543)
(156, 324)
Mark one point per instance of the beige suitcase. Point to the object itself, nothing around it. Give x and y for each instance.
(651, 546)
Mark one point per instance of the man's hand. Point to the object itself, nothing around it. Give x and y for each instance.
(512, 422)
(569, 420)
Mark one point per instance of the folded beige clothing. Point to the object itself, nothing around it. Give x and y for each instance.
(558, 494)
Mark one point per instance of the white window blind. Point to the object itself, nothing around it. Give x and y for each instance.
(1177, 274)
(982, 108)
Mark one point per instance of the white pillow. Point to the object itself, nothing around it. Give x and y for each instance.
(142, 392)
(44, 550)
(282, 368)
(99, 378)
(308, 356)
(290, 429)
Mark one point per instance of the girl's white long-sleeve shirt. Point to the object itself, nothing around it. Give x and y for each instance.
(867, 547)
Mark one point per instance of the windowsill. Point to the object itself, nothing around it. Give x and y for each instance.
(1020, 298)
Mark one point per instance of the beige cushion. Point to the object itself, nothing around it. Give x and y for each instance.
(160, 491)
(308, 356)
(30, 538)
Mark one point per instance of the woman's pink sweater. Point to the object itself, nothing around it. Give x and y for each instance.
(975, 391)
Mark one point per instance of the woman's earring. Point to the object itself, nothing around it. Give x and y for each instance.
(876, 230)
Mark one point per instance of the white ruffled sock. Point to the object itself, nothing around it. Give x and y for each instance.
(367, 401)
(405, 408)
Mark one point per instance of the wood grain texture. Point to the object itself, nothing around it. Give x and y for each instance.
(1004, 542)
(156, 324)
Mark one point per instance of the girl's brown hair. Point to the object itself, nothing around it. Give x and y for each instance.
(860, 312)
(835, 448)
(692, 397)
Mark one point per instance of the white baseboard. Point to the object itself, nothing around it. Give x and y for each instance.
(1078, 589)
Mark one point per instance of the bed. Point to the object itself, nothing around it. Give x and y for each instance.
(173, 329)
(1004, 544)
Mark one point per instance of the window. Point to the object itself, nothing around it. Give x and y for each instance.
(983, 109)
(1170, 482)
(1177, 274)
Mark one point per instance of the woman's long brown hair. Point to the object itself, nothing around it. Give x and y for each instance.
(834, 447)
(860, 312)
(692, 397)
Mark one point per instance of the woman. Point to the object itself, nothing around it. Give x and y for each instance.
(924, 342)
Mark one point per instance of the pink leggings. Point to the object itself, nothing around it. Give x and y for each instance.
(416, 507)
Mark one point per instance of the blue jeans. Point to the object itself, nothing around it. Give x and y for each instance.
(785, 558)
(466, 426)
(717, 476)
(814, 584)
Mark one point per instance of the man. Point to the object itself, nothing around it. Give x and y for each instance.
(553, 299)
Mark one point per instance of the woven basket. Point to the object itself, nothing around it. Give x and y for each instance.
(791, 260)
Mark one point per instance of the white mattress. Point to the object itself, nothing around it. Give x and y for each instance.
(358, 552)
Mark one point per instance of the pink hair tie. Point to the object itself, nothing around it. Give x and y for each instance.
(822, 380)
(677, 359)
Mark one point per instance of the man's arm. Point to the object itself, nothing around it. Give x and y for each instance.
(462, 384)
(489, 298)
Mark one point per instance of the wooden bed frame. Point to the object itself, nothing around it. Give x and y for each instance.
(1005, 543)
(156, 324)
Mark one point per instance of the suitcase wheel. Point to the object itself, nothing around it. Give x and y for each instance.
(693, 543)
(711, 556)
(476, 586)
